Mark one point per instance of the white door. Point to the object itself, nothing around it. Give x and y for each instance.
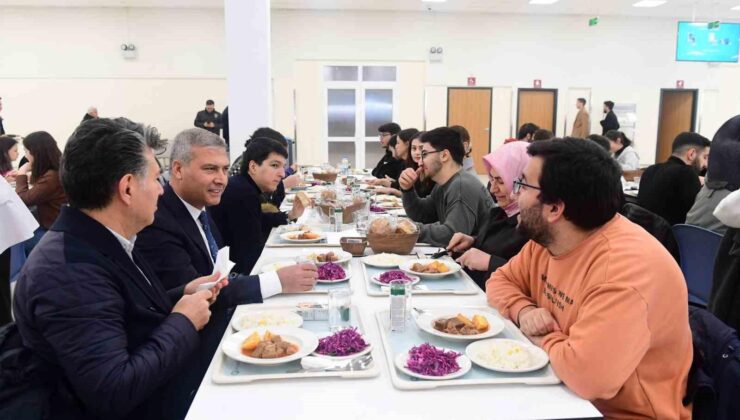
(502, 123)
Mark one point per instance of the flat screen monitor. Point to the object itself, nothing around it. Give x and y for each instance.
(696, 42)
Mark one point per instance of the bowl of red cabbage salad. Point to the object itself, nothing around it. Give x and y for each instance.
(331, 271)
(345, 343)
(389, 276)
(428, 360)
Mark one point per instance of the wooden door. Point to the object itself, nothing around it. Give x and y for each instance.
(538, 106)
(677, 115)
(471, 108)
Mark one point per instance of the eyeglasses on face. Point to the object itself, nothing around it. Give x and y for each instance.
(381, 135)
(519, 183)
(425, 153)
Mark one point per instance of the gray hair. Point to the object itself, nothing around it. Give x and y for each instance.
(150, 134)
(187, 139)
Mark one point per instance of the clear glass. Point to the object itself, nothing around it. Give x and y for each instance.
(379, 73)
(362, 220)
(378, 110)
(342, 73)
(341, 112)
(340, 301)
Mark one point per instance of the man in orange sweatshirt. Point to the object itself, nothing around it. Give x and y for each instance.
(601, 296)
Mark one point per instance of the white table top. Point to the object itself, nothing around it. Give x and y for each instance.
(335, 398)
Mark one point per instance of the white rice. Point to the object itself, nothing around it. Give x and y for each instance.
(506, 355)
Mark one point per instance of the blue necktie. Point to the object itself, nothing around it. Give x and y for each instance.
(203, 218)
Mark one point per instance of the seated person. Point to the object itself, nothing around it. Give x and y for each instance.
(598, 293)
(498, 239)
(624, 153)
(542, 134)
(400, 147)
(239, 216)
(423, 185)
(458, 203)
(387, 166)
(669, 189)
(468, 165)
(90, 306)
(525, 133)
(724, 301)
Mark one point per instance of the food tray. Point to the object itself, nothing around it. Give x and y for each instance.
(397, 342)
(454, 284)
(331, 240)
(319, 288)
(229, 371)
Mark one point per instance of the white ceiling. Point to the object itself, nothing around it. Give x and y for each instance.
(683, 9)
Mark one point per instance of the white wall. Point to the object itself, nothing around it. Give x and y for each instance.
(54, 63)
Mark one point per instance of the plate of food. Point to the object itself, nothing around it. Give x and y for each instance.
(333, 273)
(254, 319)
(304, 236)
(384, 279)
(398, 212)
(429, 268)
(464, 325)
(384, 260)
(270, 345)
(505, 355)
(277, 265)
(337, 257)
(343, 345)
(433, 363)
(389, 205)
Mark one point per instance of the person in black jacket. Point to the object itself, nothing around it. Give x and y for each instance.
(387, 166)
(669, 189)
(498, 238)
(225, 125)
(724, 300)
(209, 118)
(610, 121)
(89, 304)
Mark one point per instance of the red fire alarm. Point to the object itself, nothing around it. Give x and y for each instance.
(537, 83)
(679, 84)
(471, 81)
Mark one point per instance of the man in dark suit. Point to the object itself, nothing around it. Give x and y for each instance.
(91, 307)
(669, 189)
(209, 119)
(610, 121)
(387, 165)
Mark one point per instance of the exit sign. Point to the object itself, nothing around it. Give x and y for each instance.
(593, 21)
(679, 84)
(537, 83)
(713, 25)
(471, 81)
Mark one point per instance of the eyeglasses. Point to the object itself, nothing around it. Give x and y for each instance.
(426, 153)
(519, 183)
(381, 135)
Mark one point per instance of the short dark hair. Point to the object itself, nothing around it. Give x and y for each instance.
(687, 140)
(463, 132)
(269, 133)
(609, 104)
(210, 102)
(407, 134)
(6, 143)
(390, 127)
(46, 153)
(613, 135)
(582, 100)
(410, 163)
(601, 141)
(97, 155)
(526, 129)
(258, 150)
(445, 138)
(583, 176)
(542, 134)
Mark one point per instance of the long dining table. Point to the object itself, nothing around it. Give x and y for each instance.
(376, 397)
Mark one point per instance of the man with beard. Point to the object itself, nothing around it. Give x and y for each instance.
(598, 293)
(669, 189)
(458, 202)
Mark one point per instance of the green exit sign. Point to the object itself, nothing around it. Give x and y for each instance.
(593, 21)
(713, 25)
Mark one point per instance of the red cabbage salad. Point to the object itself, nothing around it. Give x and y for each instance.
(430, 361)
(389, 276)
(342, 343)
(331, 271)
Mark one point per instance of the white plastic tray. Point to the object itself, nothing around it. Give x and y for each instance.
(331, 240)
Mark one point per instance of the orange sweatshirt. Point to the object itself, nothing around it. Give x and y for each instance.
(621, 302)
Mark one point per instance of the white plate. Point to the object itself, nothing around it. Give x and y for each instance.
(376, 279)
(347, 276)
(389, 205)
(425, 322)
(367, 350)
(463, 361)
(286, 237)
(406, 266)
(255, 319)
(398, 212)
(275, 266)
(343, 257)
(304, 339)
(377, 260)
(538, 358)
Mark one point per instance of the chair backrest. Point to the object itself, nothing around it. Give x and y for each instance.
(698, 249)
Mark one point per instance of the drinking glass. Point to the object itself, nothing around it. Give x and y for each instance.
(340, 301)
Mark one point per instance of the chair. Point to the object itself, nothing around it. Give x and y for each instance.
(698, 248)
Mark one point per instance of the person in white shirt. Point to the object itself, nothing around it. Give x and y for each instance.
(624, 153)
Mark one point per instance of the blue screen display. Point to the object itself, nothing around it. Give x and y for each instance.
(696, 42)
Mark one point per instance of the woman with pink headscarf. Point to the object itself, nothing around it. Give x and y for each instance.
(498, 239)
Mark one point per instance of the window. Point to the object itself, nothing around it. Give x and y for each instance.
(341, 73)
(378, 109)
(340, 109)
(379, 73)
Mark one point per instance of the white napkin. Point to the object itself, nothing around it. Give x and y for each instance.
(222, 265)
(728, 210)
(18, 223)
(312, 362)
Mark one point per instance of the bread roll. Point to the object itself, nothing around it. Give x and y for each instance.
(303, 198)
(380, 226)
(406, 226)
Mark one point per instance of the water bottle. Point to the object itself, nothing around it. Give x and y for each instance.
(338, 219)
(345, 166)
(399, 297)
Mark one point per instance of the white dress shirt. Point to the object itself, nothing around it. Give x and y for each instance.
(269, 282)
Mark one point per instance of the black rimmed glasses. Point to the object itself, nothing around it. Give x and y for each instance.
(519, 183)
(425, 153)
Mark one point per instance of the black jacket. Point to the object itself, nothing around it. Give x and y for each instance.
(388, 166)
(84, 307)
(244, 226)
(225, 125)
(204, 116)
(2, 129)
(609, 122)
(724, 301)
(669, 189)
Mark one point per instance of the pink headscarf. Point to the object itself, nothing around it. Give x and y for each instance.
(509, 161)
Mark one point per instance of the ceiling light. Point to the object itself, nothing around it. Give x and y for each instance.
(542, 1)
(649, 3)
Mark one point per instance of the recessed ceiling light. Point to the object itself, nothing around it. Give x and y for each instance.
(649, 3)
(433, 1)
(542, 1)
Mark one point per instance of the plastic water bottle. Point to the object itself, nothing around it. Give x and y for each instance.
(399, 297)
(338, 219)
(344, 166)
